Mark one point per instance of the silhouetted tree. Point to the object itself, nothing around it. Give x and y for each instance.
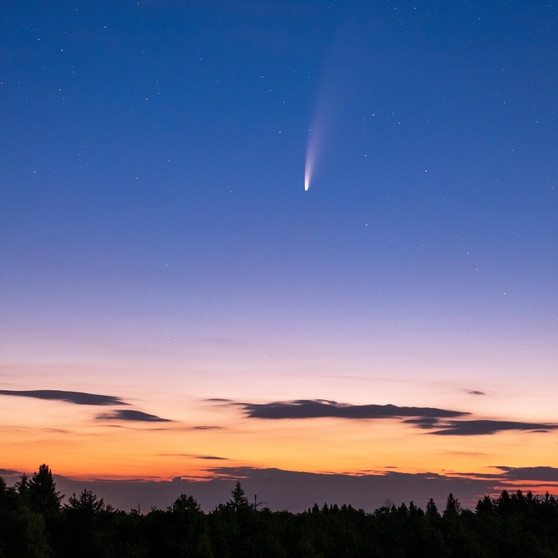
(22, 485)
(453, 507)
(40, 492)
(84, 527)
(485, 506)
(515, 525)
(432, 509)
(189, 529)
(239, 501)
(22, 531)
(85, 503)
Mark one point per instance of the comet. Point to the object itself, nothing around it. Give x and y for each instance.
(319, 130)
(307, 176)
(311, 153)
(334, 87)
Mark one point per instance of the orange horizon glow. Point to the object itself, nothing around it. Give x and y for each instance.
(64, 436)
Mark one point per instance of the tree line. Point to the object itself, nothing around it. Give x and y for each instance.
(35, 523)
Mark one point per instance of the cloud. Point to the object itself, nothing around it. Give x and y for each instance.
(438, 421)
(194, 456)
(475, 392)
(9, 472)
(320, 408)
(82, 398)
(207, 427)
(424, 422)
(75, 397)
(545, 474)
(484, 427)
(129, 415)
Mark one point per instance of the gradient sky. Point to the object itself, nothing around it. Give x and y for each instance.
(174, 304)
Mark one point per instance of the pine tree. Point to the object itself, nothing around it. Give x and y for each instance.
(432, 509)
(453, 507)
(239, 502)
(41, 493)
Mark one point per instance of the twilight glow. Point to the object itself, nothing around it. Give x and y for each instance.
(173, 318)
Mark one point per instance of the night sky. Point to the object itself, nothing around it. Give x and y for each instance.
(279, 241)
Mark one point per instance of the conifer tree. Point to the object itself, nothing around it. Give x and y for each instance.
(41, 492)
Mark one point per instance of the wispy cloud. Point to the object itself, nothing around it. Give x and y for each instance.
(484, 427)
(130, 415)
(321, 408)
(475, 392)
(195, 456)
(207, 427)
(75, 397)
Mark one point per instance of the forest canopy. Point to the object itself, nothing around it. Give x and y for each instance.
(35, 521)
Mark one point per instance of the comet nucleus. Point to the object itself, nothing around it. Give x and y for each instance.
(307, 175)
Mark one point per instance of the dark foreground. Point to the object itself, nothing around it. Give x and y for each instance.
(33, 523)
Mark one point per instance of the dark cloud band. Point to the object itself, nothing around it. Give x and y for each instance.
(544, 474)
(438, 421)
(75, 397)
(484, 427)
(129, 415)
(305, 409)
